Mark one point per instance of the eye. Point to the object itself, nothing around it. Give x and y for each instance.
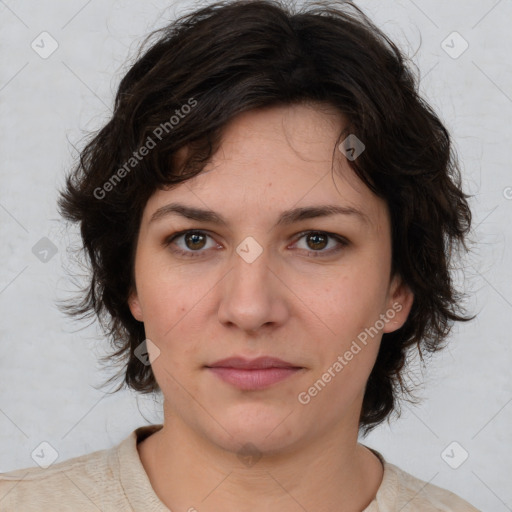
(318, 240)
(193, 241)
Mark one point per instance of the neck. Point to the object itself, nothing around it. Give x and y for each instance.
(330, 473)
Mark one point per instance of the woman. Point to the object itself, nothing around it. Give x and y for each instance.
(269, 216)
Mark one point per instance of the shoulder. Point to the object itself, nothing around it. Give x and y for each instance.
(402, 491)
(78, 483)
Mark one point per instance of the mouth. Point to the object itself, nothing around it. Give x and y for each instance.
(247, 374)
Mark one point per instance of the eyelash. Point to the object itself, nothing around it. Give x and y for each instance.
(315, 254)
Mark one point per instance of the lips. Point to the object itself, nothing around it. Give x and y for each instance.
(259, 363)
(253, 374)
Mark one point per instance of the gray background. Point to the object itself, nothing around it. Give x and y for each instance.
(49, 372)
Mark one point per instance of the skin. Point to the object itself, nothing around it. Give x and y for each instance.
(287, 303)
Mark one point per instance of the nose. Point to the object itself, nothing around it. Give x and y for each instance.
(251, 295)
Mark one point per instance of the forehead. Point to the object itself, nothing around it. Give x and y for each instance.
(274, 159)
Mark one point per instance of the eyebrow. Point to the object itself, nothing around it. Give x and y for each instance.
(287, 217)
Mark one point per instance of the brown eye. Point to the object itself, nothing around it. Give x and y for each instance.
(189, 243)
(193, 243)
(317, 241)
(194, 240)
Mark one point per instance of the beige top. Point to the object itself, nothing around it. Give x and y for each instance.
(114, 480)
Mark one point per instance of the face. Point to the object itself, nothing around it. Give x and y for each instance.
(305, 290)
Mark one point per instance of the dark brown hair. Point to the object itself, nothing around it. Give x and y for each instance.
(208, 66)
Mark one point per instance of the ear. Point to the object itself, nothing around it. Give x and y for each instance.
(134, 305)
(399, 304)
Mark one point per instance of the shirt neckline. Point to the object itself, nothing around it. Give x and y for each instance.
(133, 476)
(387, 493)
(143, 498)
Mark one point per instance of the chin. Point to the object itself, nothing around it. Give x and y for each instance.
(267, 435)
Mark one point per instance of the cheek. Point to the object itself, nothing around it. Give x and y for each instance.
(346, 358)
(169, 294)
(350, 302)
(349, 307)
(170, 322)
